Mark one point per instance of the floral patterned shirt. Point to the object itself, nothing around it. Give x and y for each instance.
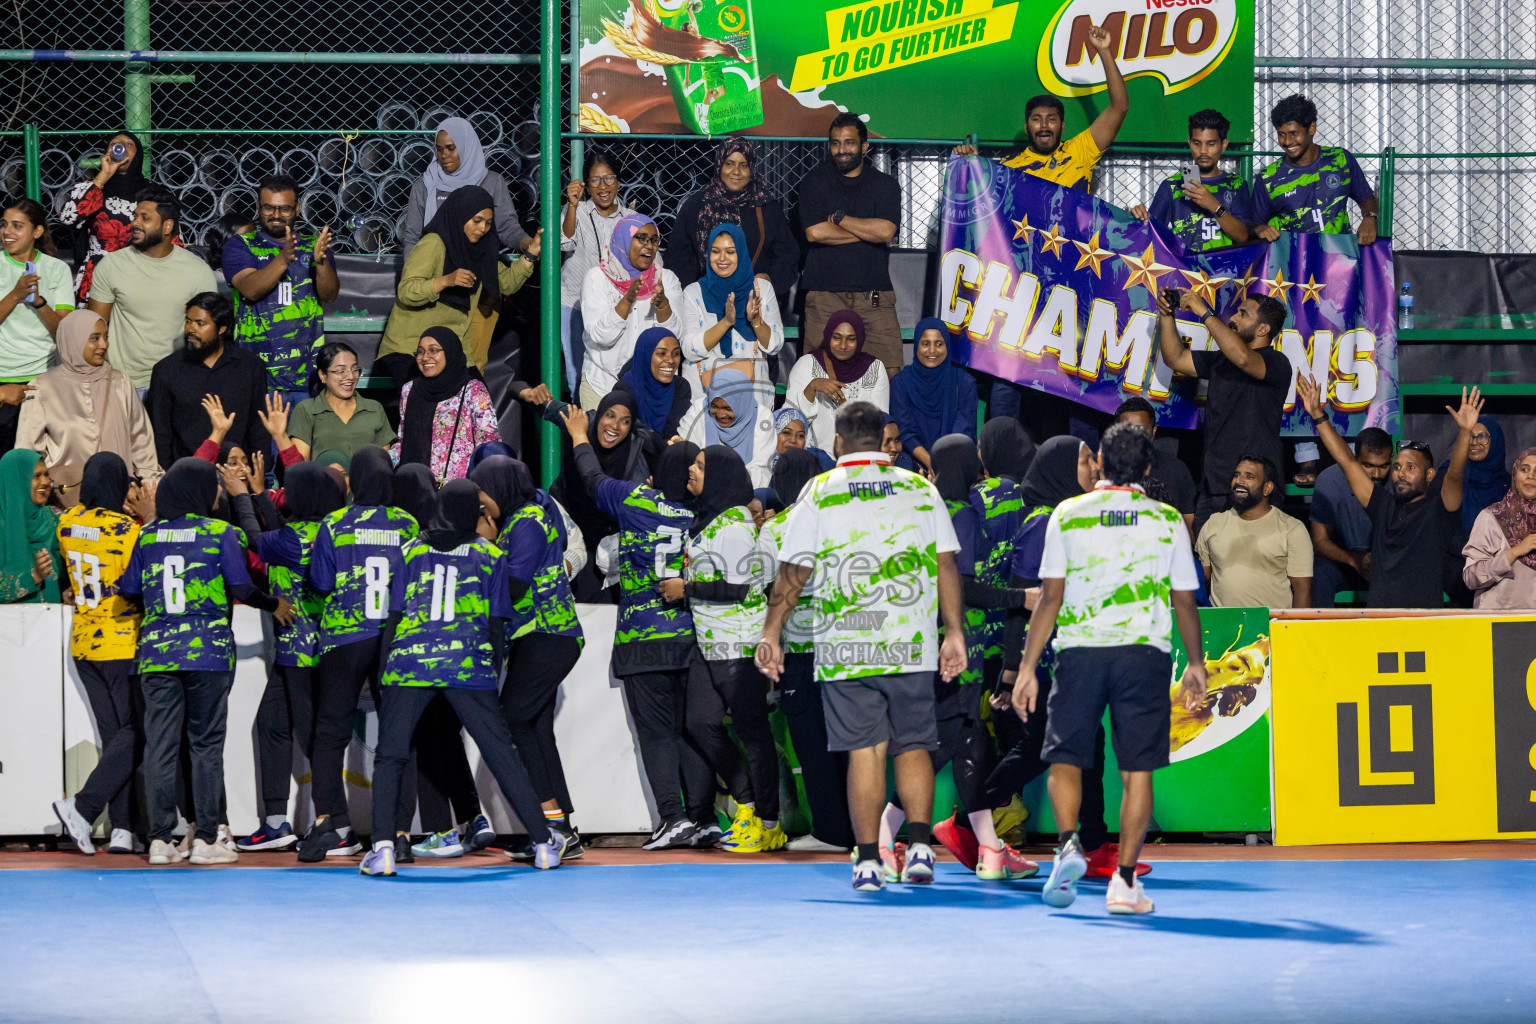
(461, 425)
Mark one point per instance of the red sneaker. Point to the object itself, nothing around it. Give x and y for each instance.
(1103, 862)
(960, 842)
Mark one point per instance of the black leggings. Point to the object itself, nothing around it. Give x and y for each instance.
(823, 773)
(674, 767)
(737, 687)
(113, 691)
(963, 742)
(445, 787)
(536, 665)
(342, 673)
(477, 709)
(285, 714)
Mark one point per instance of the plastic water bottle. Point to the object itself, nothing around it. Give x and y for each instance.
(1405, 308)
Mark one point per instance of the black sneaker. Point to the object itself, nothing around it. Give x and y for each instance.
(478, 834)
(573, 848)
(403, 854)
(318, 842)
(520, 848)
(707, 836)
(672, 835)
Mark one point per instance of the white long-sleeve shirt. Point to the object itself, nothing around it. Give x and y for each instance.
(610, 339)
(580, 253)
(699, 360)
(821, 414)
(764, 441)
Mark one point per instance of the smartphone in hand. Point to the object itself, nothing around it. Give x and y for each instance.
(30, 268)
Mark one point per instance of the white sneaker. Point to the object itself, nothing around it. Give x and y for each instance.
(212, 853)
(1126, 899)
(78, 829)
(185, 846)
(162, 852)
(1061, 888)
(810, 844)
(124, 841)
(226, 839)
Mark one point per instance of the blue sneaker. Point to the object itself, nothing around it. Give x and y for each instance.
(480, 833)
(268, 838)
(1061, 888)
(919, 867)
(440, 844)
(868, 876)
(379, 863)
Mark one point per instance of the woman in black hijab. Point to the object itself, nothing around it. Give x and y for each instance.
(373, 476)
(101, 210)
(1053, 476)
(507, 486)
(189, 488)
(441, 381)
(1006, 449)
(104, 482)
(612, 429)
(956, 468)
(415, 493)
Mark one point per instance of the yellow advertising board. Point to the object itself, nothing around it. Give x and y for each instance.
(1404, 730)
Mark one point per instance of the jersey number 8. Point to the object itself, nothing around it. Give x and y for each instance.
(174, 587)
(86, 569)
(376, 587)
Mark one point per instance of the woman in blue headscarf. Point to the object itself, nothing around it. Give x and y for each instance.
(1487, 478)
(731, 416)
(789, 429)
(654, 376)
(931, 396)
(731, 318)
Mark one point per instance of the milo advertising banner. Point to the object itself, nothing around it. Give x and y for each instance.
(1218, 778)
(917, 69)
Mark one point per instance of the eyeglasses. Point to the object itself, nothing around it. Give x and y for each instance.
(270, 210)
(603, 179)
(648, 239)
(345, 371)
(1416, 446)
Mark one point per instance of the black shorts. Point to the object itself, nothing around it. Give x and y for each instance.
(1133, 682)
(871, 710)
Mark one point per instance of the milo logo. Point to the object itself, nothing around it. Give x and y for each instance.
(1178, 41)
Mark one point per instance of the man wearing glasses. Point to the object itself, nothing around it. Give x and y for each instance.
(1414, 514)
(281, 279)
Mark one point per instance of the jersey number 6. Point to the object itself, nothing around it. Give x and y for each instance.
(174, 588)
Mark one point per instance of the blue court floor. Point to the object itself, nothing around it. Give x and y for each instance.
(1389, 941)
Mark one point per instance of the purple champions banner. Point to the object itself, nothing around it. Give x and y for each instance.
(1053, 289)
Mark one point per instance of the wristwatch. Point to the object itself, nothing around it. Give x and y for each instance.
(1220, 211)
(837, 216)
(1367, 216)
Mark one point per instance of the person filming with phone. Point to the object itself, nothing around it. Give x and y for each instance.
(1204, 206)
(1249, 380)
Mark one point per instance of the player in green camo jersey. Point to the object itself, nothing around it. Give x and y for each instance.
(1211, 213)
(653, 643)
(310, 494)
(451, 640)
(187, 568)
(546, 637)
(727, 570)
(281, 279)
(1309, 189)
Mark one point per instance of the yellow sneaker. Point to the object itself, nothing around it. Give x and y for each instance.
(774, 839)
(745, 834)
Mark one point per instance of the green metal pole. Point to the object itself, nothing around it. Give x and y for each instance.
(1388, 191)
(34, 150)
(137, 89)
(550, 109)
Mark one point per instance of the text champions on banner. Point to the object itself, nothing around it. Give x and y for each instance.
(916, 69)
(1404, 730)
(1048, 287)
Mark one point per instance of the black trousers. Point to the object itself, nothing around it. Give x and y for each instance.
(823, 773)
(285, 714)
(536, 666)
(339, 680)
(963, 742)
(478, 710)
(676, 769)
(200, 701)
(737, 687)
(445, 787)
(113, 694)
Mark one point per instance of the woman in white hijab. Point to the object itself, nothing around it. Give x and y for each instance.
(460, 161)
(84, 406)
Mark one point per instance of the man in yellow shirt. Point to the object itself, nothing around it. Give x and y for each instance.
(96, 539)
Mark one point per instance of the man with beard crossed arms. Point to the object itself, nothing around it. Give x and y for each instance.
(1255, 556)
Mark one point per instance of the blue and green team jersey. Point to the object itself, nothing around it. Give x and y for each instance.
(536, 555)
(1000, 506)
(653, 535)
(1196, 228)
(287, 553)
(286, 326)
(1024, 559)
(185, 571)
(358, 560)
(1310, 199)
(967, 523)
(444, 637)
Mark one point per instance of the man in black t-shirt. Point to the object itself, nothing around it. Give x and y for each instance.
(1413, 514)
(1177, 486)
(1249, 379)
(849, 212)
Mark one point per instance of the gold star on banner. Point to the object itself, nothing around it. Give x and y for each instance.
(1091, 255)
(1246, 282)
(1147, 270)
(1277, 286)
(1312, 289)
(1204, 285)
(1051, 241)
(1021, 229)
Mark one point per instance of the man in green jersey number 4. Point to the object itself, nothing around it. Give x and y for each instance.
(882, 548)
(1113, 563)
